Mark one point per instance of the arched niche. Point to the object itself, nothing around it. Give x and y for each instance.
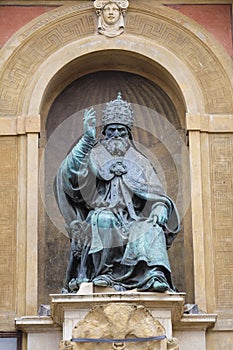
(156, 110)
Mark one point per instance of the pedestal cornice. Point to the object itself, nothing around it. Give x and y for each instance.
(63, 302)
(36, 324)
(196, 321)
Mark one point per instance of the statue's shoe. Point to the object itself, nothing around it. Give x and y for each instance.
(119, 288)
(159, 287)
(100, 282)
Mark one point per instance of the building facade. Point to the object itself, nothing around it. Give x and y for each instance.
(173, 59)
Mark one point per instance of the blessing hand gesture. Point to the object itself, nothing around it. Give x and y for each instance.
(89, 123)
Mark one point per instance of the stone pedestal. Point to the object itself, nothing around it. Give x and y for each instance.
(71, 312)
(69, 309)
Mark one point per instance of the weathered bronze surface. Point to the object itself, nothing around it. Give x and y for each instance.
(118, 217)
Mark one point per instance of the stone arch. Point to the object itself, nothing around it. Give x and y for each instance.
(71, 26)
(49, 78)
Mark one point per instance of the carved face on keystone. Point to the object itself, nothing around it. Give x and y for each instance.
(111, 13)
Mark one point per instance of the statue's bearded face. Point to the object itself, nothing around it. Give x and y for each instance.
(115, 131)
(116, 139)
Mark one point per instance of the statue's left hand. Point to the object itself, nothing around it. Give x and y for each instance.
(160, 215)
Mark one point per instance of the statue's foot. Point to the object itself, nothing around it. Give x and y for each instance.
(119, 288)
(159, 287)
(64, 291)
(73, 287)
(100, 282)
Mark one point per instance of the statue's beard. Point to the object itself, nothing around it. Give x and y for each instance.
(116, 146)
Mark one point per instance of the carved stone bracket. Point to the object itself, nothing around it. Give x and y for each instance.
(113, 323)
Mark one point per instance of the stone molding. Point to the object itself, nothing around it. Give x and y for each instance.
(143, 53)
(62, 302)
(209, 122)
(36, 324)
(19, 125)
(196, 321)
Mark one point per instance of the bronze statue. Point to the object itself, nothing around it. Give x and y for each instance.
(119, 220)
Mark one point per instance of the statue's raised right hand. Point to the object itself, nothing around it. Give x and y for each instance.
(89, 123)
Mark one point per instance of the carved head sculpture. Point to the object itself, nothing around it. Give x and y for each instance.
(111, 16)
(111, 13)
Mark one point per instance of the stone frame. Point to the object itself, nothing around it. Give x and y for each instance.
(30, 69)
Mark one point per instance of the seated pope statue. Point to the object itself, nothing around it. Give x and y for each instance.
(119, 220)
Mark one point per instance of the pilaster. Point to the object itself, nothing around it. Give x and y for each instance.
(19, 138)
